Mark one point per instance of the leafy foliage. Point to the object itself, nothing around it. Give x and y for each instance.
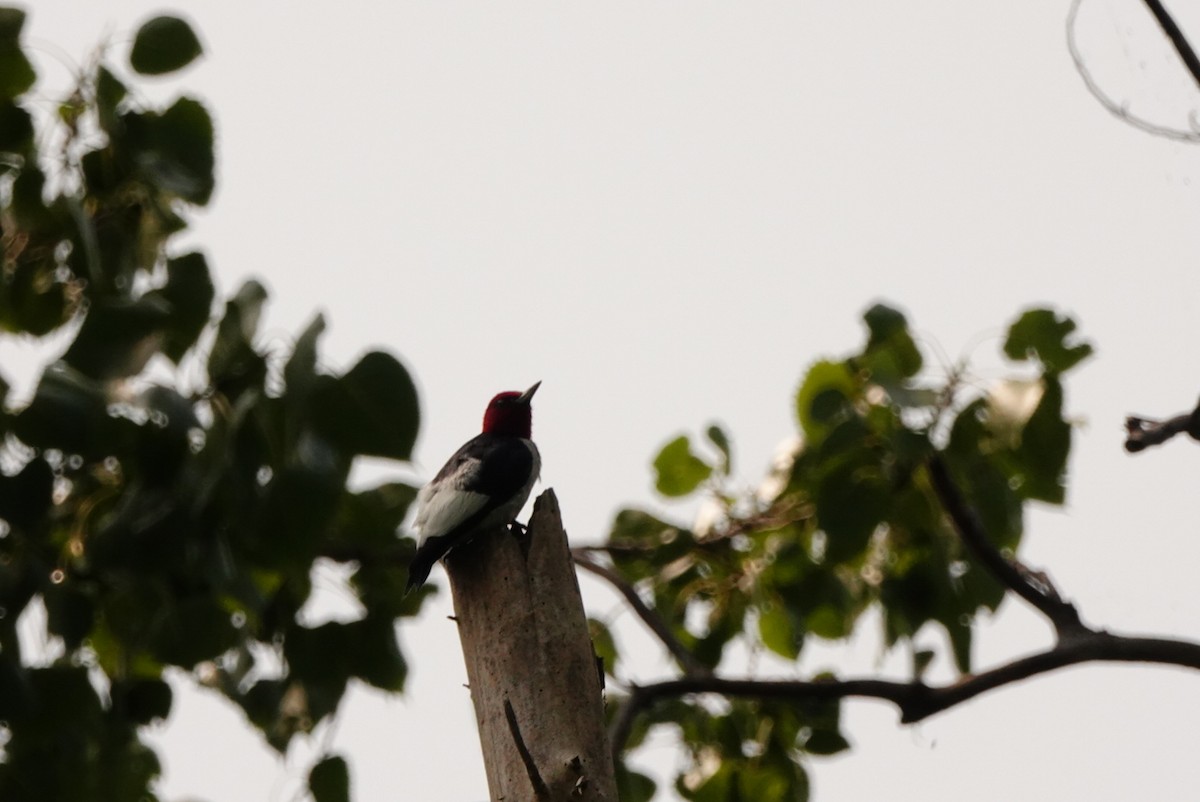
(169, 486)
(847, 523)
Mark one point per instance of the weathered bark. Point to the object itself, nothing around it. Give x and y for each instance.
(532, 671)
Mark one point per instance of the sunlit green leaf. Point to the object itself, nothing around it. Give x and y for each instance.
(603, 644)
(780, 632)
(677, 470)
(1045, 335)
(890, 350)
(824, 398)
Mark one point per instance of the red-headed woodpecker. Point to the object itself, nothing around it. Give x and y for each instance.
(483, 485)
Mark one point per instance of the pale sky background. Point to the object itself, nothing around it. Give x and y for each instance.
(666, 211)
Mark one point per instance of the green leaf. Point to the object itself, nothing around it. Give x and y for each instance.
(826, 742)
(852, 501)
(638, 526)
(16, 73)
(371, 410)
(109, 94)
(196, 629)
(603, 645)
(233, 364)
(719, 438)
(300, 372)
(70, 613)
(376, 657)
(823, 399)
(780, 632)
(12, 21)
(329, 780)
(16, 129)
(1045, 446)
(1042, 334)
(118, 337)
(174, 150)
(68, 412)
(164, 44)
(189, 290)
(678, 471)
(27, 497)
(960, 643)
(369, 519)
(921, 659)
(890, 349)
(144, 700)
(633, 786)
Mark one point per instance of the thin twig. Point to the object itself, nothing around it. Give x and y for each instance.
(540, 791)
(1118, 110)
(1141, 433)
(916, 700)
(1034, 588)
(650, 617)
(1178, 40)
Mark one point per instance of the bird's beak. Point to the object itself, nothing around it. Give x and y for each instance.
(527, 396)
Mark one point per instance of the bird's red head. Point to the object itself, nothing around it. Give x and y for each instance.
(510, 413)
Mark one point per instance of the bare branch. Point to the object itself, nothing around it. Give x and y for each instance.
(1117, 109)
(650, 617)
(1178, 40)
(1035, 588)
(916, 700)
(1141, 433)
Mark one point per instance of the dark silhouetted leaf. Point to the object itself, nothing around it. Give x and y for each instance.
(189, 290)
(118, 337)
(68, 412)
(16, 129)
(371, 410)
(826, 742)
(174, 149)
(633, 786)
(163, 44)
(145, 700)
(719, 438)
(329, 780)
(890, 350)
(26, 497)
(16, 73)
(1045, 445)
(851, 502)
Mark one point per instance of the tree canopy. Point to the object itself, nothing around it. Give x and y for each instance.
(169, 484)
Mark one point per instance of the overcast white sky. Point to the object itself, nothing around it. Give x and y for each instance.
(666, 211)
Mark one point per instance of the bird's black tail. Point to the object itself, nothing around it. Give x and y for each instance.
(418, 570)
